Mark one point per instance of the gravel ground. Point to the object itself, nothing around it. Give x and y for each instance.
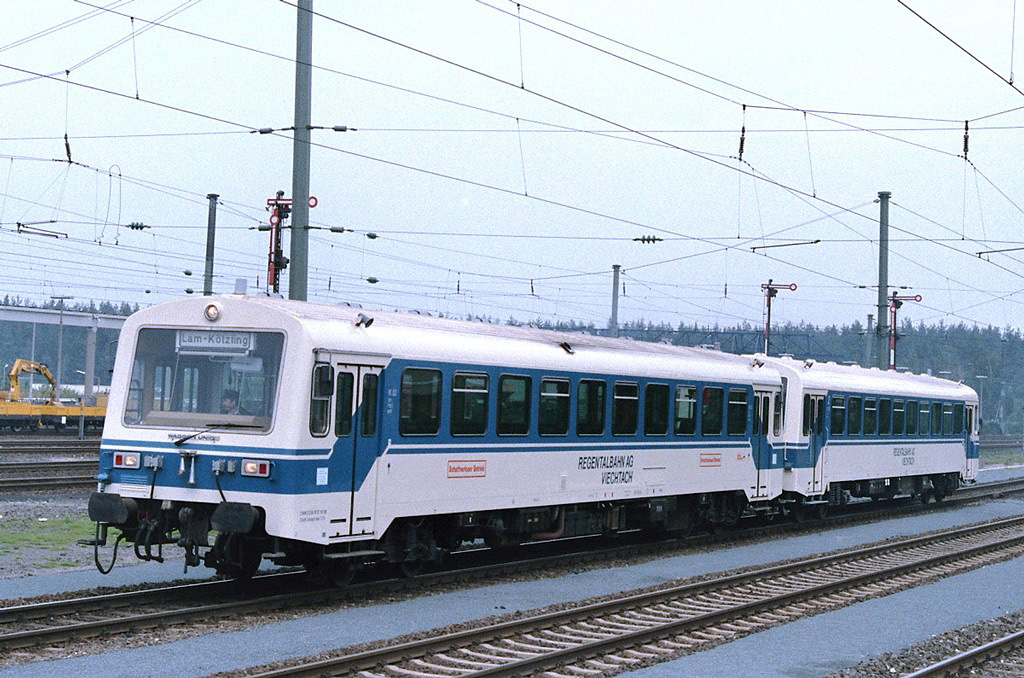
(22, 514)
(936, 649)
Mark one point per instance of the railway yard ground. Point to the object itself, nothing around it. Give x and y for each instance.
(891, 634)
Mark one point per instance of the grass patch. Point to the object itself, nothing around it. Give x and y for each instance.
(53, 534)
(1001, 457)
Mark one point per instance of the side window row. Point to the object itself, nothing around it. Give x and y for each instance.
(857, 415)
(420, 406)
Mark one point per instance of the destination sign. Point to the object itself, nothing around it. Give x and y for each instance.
(205, 342)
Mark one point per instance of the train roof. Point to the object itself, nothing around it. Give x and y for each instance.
(424, 337)
(853, 378)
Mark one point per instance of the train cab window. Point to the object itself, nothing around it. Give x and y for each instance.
(686, 410)
(958, 419)
(420, 402)
(469, 404)
(368, 406)
(590, 403)
(711, 411)
(625, 408)
(947, 419)
(554, 407)
(870, 416)
(513, 405)
(838, 423)
(320, 399)
(885, 416)
(898, 417)
(936, 418)
(343, 404)
(179, 373)
(912, 417)
(737, 416)
(854, 417)
(656, 410)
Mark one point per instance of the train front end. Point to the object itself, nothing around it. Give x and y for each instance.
(194, 447)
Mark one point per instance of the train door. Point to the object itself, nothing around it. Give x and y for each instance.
(762, 451)
(356, 427)
(816, 442)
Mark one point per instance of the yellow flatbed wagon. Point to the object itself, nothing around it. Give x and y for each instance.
(25, 414)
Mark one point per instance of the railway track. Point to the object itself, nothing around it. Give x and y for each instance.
(641, 628)
(51, 445)
(24, 624)
(1003, 656)
(32, 475)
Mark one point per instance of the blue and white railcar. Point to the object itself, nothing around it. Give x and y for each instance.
(327, 436)
(872, 433)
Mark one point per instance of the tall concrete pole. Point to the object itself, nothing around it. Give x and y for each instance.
(211, 233)
(882, 356)
(299, 266)
(613, 326)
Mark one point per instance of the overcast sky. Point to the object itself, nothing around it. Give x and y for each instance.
(506, 157)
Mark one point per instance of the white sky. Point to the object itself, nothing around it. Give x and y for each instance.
(611, 144)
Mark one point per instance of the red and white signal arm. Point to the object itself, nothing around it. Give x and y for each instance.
(313, 202)
(274, 219)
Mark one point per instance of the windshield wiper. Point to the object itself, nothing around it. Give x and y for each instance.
(212, 427)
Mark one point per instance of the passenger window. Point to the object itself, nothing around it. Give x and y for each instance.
(808, 414)
(554, 407)
(343, 405)
(656, 410)
(420, 402)
(625, 409)
(513, 405)
(686, 410)
(738, 407)
(780, 413)
(898, 418)
(947, 419)
(838, 415)
(958, 419)
(870, 416)
(320, 399)
(924, 423)
(368, 406)
(884, 416)
(469, 404)
(711, 411)
(936, 418)
(853, 424)
(590, 407)
(912, 417)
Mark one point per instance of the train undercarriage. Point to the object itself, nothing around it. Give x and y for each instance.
(231, 537)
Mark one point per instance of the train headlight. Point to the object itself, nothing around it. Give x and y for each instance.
(126, 460)
(212, 312)
(258, 468)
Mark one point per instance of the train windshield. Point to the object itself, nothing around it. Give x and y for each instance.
(197, 378)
